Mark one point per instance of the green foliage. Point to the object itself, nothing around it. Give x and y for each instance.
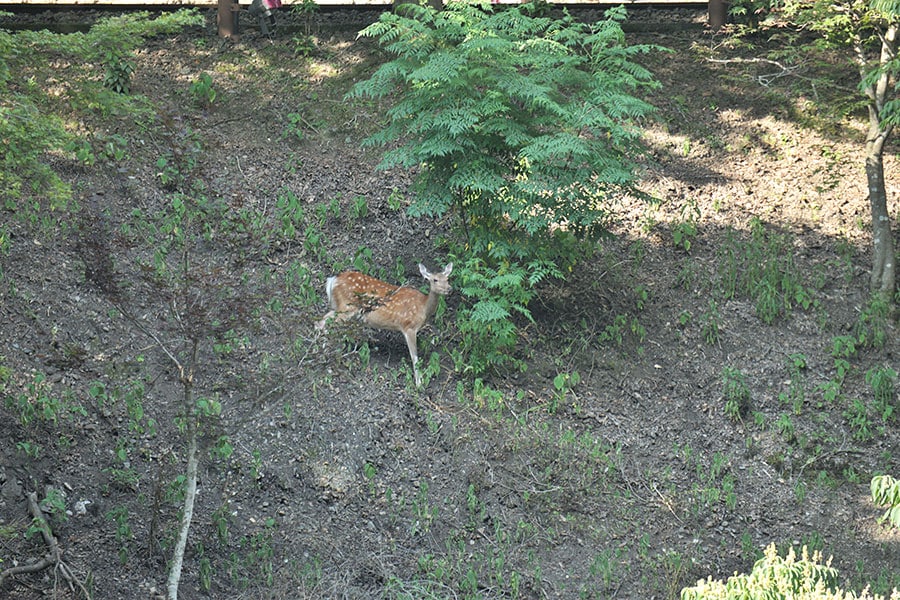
(874, 323)
(36, 402)
(31, 123)
(886, 492)
(497, 297)
(801, 578)
(762, 269)
(796, 392)
(305, 10)
(751, 12)
(685, 231)
(563, 385)
(118, 72)
(736, 393)
(523, 126)
(54, 504)
(711, 323)
(202, 90)
(883, 382)
(124, 533)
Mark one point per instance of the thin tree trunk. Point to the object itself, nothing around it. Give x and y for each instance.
(186, 376)
(883, 277)
(190, 493)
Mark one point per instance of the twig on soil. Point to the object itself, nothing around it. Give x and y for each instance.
(842, 450)
(53, 558)
(763, 80)
(666, 503)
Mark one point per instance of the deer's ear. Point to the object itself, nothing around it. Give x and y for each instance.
(424, 271)
(448, 268)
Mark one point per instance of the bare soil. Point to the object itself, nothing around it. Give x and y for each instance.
(344, 481)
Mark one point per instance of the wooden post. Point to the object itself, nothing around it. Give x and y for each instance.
(226, 18)
(718, 14)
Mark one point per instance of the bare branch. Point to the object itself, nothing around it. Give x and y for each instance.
(53, 558)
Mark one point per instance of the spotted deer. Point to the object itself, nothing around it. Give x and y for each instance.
(384, 306)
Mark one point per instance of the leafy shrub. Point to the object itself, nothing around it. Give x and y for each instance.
(522, 128)
(30, 125)
(496, 297)
(520, 123)
(773, 576)
(886, 492)
(203, 91)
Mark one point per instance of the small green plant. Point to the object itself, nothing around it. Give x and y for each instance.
(369, 471)
(220, 521)
(642, 296)
(563, 385)
(221, 449)
(736, 393)
(395, 200)
(886, 492)
(119, 515)
(683, 235)
(873, 323)
(685, 231)
(30, 449)
(883, 380)
(360, 207)
(294, 127)
(118, 71)
(795, 396)
(857, 415)
(305, 43)
(255, 560)
(711, 324)
(423, 511)
(205, 570)
(495, 297)
(762, 269)
(202, 90)
(38, 403)
(54, 504)
(124, 479)
(785, 427)
(675, 568)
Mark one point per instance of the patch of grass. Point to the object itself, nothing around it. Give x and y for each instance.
(736, 393)
(761, 268)
(795, 395)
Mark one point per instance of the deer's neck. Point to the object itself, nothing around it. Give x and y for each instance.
(431, 303)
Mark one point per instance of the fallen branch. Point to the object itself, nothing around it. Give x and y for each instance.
(53, 558)
(766, 79)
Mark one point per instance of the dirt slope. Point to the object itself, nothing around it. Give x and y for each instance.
(344, 482)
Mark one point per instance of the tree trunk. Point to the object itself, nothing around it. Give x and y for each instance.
(190, 494)
(226, 18)
(883, 278)
(186, 376)
(717, 13)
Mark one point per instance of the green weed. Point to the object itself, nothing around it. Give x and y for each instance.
(736, 393)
